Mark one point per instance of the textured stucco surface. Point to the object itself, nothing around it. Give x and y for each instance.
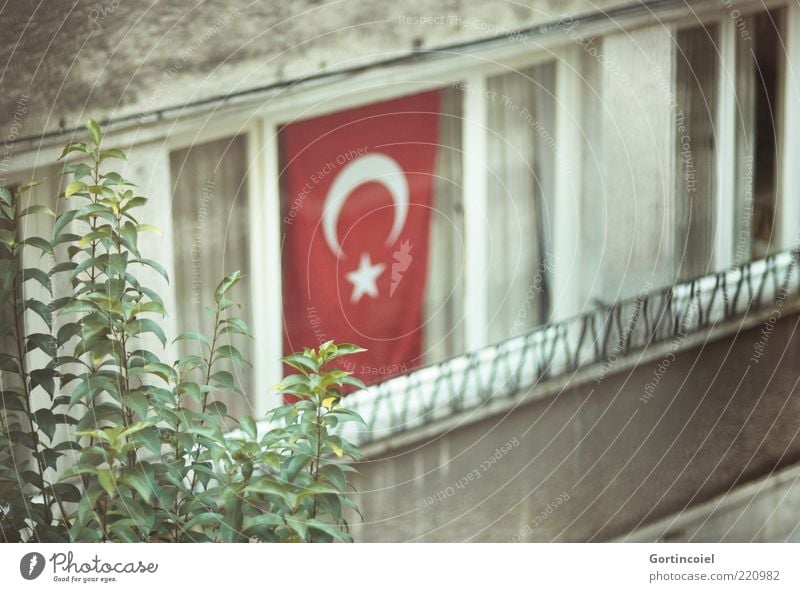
(111, 58)
(714, 421)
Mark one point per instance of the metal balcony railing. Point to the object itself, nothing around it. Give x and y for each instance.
(513, 367)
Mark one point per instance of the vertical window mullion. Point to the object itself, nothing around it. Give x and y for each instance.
(265, 245)
(724, 246)
(475, 208)
(789, 206)
(566, 216)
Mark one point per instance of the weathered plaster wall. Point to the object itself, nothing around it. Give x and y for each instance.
(620, 461)
(109, 58)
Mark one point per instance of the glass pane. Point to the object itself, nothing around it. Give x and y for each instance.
(210, 240)
(758, 90)
(696, 95)
(443, 332)
(521, 153)
(373, 237)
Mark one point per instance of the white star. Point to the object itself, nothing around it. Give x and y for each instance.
(363, 278)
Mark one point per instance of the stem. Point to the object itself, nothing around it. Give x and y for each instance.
(19, 338)
(317, 459)
(93, 275)
(8, 521)
(104, 521)
(122, 337)
(64, 514)
(196, 453)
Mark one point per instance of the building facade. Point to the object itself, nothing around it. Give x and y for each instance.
(611, 208)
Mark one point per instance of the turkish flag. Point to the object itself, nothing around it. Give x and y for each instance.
(357, 194)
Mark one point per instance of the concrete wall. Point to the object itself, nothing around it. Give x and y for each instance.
(637, 164)
(767, 510)
(110, 58)
(599, 459)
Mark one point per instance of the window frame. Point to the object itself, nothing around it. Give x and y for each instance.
(787, 235)
(383, 86)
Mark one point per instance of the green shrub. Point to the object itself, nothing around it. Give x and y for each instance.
(102, 440)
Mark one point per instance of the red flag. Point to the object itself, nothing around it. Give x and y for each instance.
(358, 190)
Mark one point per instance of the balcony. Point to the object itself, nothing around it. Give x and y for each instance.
(588, 347)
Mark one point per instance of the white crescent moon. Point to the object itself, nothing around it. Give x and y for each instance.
(377, 168)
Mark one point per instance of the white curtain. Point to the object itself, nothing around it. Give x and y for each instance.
(593, 198)
(696, 95)
(443, 333)
(758, 89)
(521, 163)
(210, 214)
(745, 149)
(45, 193)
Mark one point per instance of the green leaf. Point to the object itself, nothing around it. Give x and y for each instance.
(266, 519)
(130, 237)
(150, 437)
(191, 389)
(73, 147)
(217, 409)
(236, 326)
(148, 228)
(107, 481)
(77, 306)
(46, 422)
(40, 309)
(66, 492)
(223, 379)
(193, 336)
(137, 402)
(228, 282)
(204, 519)
(9, 363)
(62, 220)
(334, 475)
(45, 378)
(75, 187)
(353, 381)
(39, 243)
(330, 529)
(78, 170)
(134, 202)
(301, 362)
(94, 131)
(231, 353)
(347, 415)
(33, 273)
(336, 446)
(140, 326)
(36, 210)
(113, 153)
(27, 187)
(5, 196)
(248, 425)
(157, 267)
(298, 523)
(139, 484)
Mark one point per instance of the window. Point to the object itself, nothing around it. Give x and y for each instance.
(696, 74)
(211, 240)
(521, 174)
(372, 231)
(758, 90)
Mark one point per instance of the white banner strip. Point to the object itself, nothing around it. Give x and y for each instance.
(355, 568)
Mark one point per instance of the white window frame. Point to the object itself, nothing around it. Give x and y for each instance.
(788, 205)
(378, 86)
